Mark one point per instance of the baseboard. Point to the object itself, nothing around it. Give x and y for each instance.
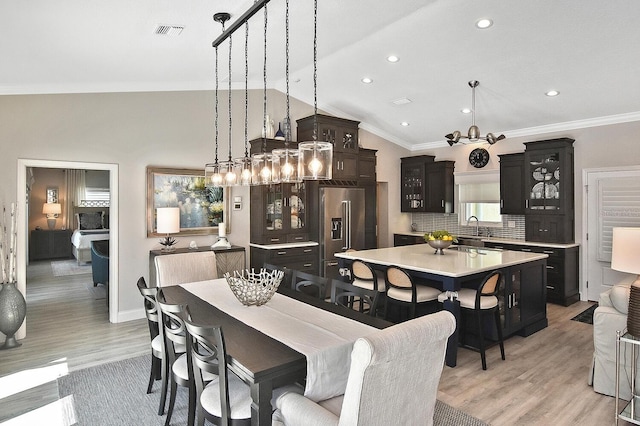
(131, 315)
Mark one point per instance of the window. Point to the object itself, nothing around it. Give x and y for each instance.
(479, 196)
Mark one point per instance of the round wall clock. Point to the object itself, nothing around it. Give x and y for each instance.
(479, 157)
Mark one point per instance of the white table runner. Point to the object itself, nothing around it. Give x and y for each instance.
(326, 339)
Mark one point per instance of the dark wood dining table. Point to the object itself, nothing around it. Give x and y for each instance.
(261, 361)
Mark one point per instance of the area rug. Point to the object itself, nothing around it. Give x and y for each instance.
(115, 394)
(63, 268)
(586, 316)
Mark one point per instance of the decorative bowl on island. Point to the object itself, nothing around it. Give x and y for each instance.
(252, 288)
(439, 240)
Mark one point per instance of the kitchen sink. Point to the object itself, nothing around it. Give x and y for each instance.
(470, 241)
(473, 249)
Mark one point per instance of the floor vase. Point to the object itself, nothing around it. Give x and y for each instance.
(13, 309)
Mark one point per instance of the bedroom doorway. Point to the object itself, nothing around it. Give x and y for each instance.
(23, 224)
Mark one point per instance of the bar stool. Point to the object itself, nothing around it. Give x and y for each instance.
(402, 290)
(483, 301)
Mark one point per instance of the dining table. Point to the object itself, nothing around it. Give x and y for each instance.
(457, 267)
(293, 338)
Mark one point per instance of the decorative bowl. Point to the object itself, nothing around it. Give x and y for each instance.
(252, 288)
(439, 245)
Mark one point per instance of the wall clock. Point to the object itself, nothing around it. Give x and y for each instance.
(479, 157)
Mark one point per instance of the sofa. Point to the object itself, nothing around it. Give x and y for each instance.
(609, 317)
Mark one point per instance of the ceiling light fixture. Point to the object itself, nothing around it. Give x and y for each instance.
(393, 59)
(367, 80)
(484, 23)
(404, 123)
(473, 135)
(552, 93)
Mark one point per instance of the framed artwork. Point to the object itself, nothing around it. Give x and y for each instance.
(201, 208)
(52, 194)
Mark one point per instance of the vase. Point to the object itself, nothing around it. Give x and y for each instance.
(13, 309)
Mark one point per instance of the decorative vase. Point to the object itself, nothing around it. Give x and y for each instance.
(13, 309)
(268, 132)
(279, 134)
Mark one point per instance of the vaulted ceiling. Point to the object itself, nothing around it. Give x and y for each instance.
(585, 49)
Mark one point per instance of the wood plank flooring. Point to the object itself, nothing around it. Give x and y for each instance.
(542, 382)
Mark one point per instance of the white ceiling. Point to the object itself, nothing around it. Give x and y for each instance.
(586, 49)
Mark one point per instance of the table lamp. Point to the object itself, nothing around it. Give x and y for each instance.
(52, 210)
(168, 222)
(625, 257)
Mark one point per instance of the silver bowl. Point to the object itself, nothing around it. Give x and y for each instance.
(439, 245)
(252, 288)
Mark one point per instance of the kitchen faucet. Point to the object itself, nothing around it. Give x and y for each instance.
(477, 224)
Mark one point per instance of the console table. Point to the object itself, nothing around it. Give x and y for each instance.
(227, 259)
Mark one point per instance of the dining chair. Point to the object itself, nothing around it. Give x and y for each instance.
(343, 293)
(286, 280)
(184, 268)
(176, 367)
(309, 283)
(402, 290)
(157, 347)
(481, 302)
(405, 361)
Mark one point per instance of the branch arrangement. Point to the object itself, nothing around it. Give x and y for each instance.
(8, 244)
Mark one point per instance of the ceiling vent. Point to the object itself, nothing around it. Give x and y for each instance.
(169, 30)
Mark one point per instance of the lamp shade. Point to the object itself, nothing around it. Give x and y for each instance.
(625, 251)
(168, 220)
(51, 208)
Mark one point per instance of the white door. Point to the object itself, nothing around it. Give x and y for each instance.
(613, 199)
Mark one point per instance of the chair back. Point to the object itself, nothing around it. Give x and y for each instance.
(207, 351)
(301, 281)
(343, 293)
(412, 353)
(183, 268)
(399, 279)
(172, 326)
(286, 280)
(363, 275)
(490, 287)
(150, 306)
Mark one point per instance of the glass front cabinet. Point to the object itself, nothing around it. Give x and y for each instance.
(549, 181)
(283, 213)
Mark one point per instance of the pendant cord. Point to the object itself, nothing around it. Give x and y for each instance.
(216, 104)
(264, 76)
(230, 39)
(287, 136)
(315, 70)
(246, 90)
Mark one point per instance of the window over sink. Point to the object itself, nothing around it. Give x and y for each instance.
(479, 195)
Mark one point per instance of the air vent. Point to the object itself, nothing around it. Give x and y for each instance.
(169, 30)
(401, 101)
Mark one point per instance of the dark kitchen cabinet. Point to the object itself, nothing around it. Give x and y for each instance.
(302, 258)
(407, 240)
(549, 181)
(367, 165)
(426, 185)
(50, 244)
(512, 198)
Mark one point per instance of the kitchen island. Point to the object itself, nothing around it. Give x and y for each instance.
(523, 300)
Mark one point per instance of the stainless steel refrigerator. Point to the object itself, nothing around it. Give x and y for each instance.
(341, 225)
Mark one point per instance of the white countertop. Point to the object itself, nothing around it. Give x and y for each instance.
(496, 240)
(284, 245)
(421, 257)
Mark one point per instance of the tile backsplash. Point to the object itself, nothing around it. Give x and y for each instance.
(426, 222)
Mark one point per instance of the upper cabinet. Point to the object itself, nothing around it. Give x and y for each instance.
(548, 190)
(426, 185)
(512, 198)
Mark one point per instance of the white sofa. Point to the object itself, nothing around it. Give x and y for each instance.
(609, 317)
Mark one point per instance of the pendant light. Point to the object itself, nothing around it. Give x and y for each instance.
(473, 135)
(243, 165)
(287, 159)
(262, 170)
(212, 174)
(316, 158)
(227, 169)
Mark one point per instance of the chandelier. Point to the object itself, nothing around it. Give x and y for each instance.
(473, 135)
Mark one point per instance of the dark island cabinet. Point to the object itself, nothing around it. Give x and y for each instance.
(512, 199)
(549, 181)
(426, 185)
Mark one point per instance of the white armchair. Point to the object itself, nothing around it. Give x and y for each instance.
(393, 379)
(609, 317)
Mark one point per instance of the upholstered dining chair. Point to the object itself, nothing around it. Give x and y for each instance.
(157, 347)
(404, 291)
(481, 302)
(176, 368)
(183, 268)
(343, 293)
(393, 379)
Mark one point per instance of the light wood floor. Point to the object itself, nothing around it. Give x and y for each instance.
(542, 382)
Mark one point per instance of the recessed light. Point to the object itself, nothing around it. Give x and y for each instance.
(404, 123)
(552, 93)
(393, 58)
(366, 80)
(401, 101)
(465, 110)
(484, 23)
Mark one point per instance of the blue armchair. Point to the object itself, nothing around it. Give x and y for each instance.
(100, 262)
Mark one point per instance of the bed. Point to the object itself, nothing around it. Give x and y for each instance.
(90, 227)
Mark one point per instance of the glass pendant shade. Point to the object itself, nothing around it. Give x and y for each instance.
(261, 172)
(316, 159)
(212, 175)
(242, 167)
(227, 173)
(289, 164)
